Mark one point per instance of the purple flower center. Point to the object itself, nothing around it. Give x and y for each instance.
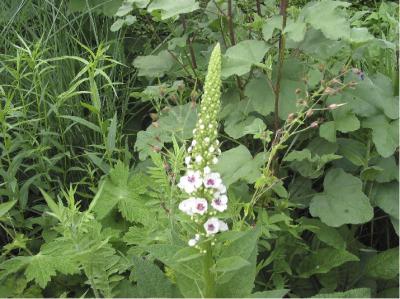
(191, 179)
(211, 227)
(210, 182)
(217, 201)
(200, 207)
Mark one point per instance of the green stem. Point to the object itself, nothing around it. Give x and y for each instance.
(209, 279)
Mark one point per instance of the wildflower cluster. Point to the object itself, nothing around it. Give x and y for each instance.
(206, 191)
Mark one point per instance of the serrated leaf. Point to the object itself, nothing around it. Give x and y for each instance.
(40, 269)
(126, 192)
(342, 201)
(323, 260)
(239, 58)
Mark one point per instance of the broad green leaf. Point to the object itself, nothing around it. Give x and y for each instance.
(327, 16)
(245, 167)
(256, 127)
(301, 192)
(232, 263)
(384, 265)
(326, 234)
(390, 169)
(386, 197)
(6, 206)
(372, 95)
(354, 293)
(117, 25)
(239, 58)
(178, 121)
(124, 9)
(385, 134)
(360, 35)
(295, 30)
(237, 284)
(274, 22)
(328, 131)
(352, 150)
(323, 260)
(154, 65)
(342, 201)
(173, 8)
(260, 95)
(270, 294)
(151, 281)
(344, 116)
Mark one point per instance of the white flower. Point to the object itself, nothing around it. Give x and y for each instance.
(223, 227)
(212, 226)
(212, 180)
(220, 203)
(188, 160)
(193, 206)
(207, 170)
(200, 206)
(191, 181)
(222, 188)
(198, 159)
(207, 140)
(215, 160)
(190, 148)
(201, 127)
(193, 242)
(211, 149)
(186, 206)
(194, 142)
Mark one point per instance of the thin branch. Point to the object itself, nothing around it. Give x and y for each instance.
(233, 42)
(189, 43)
(230, 24)
(277, 90)
(258, 3)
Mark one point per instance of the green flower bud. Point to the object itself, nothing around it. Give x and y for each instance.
(206, 133)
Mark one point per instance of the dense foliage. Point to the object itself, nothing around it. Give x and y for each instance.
(102, 112)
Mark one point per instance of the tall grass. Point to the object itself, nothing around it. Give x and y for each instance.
(63, 105)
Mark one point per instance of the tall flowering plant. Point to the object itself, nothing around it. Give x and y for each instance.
(206, 193)
(205, 189)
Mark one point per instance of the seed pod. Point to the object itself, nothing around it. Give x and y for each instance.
(309, 112)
